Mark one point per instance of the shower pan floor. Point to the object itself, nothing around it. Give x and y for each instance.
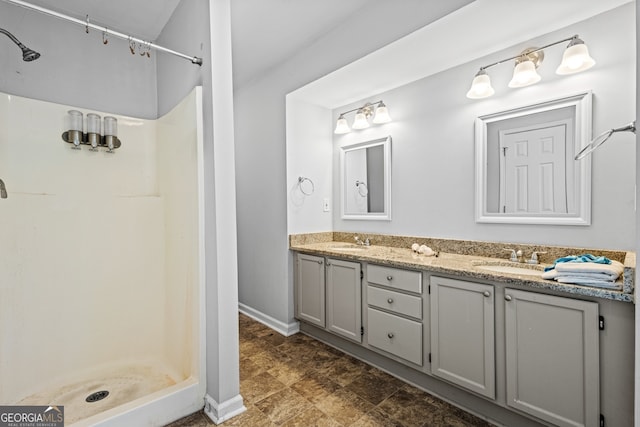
(123, 384)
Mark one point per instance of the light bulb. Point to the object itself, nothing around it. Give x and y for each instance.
(342, 126)
(382, 114)
(524, 74)
(360, 121)
(481, 86)
(575, 58)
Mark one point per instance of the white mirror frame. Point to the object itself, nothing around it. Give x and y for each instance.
(582, 168)
(386, 215)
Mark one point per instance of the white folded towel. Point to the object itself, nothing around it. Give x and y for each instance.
(588, 281)
(553, 274)
(613, 270)
(587, 274)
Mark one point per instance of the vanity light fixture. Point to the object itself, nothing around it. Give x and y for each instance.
(363, 114)
(576, 58)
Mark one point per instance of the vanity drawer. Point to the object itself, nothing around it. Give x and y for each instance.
(396, 335)
(396, 302)
(406, 280)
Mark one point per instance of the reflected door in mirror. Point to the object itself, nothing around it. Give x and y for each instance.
(532, 170)
(525, 168)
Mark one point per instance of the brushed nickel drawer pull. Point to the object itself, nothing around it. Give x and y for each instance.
(390, 335)
(389, 278)
(390, 300)
(508, 297)
(486, 293)
(320, 262)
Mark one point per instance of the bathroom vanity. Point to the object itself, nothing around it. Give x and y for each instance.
(472, 328)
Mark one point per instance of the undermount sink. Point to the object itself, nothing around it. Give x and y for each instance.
(347, 247)
(509, 268)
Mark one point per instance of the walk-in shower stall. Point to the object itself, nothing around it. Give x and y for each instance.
(101, 265)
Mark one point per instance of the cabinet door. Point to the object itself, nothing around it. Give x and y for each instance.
(344, 299)
(310, 289)
(462, 334)
(552, 357)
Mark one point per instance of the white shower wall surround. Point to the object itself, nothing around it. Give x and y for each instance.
(100, 278)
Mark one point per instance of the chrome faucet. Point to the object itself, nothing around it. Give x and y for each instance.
(3, 190)
(516, 256)
(366, 242)
(534, 257)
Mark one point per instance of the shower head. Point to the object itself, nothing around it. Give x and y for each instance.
(27, 54)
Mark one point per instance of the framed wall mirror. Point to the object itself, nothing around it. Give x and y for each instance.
(365, 180)
(525, 167)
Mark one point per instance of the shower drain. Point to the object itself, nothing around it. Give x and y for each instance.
(98, 395)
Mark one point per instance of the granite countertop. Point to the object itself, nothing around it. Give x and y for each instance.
(464, 266)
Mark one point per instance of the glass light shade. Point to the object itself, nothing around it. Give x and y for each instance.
(481, 86)
(382, 114)
(110, 126)
(93, 123)
(524, 74)
(342, 126)
(360, 121)
(75, 120)
(575, 58)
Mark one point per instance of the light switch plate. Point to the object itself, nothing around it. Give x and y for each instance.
(326, 207)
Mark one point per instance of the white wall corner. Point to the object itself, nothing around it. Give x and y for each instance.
(286, 329)
(220, 412)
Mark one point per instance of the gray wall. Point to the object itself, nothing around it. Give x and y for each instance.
(78, 69)
(260, 144)
(433, 170)
(177, 76)
(75, 68)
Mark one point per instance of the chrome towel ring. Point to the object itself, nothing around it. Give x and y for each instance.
(602, 138)
(310, 188)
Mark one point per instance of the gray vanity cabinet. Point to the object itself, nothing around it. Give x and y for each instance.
(394, 312)
(310, 294)
(344, 299)
(552, 357)
(463, 335)
(532, 355)
(328, 294)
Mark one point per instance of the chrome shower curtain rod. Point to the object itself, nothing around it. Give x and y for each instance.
(104, 30)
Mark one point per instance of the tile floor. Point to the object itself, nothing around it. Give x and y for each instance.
(299, 381)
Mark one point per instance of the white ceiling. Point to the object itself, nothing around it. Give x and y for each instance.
(267, 32)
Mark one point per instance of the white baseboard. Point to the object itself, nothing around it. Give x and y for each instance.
(278, 326)
(220, 412)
